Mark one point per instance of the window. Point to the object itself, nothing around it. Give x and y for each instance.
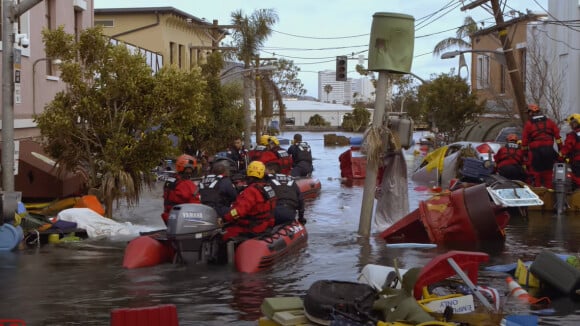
(502, 79)
(523, 63)
(105, 22)
(482, 72)
(181, 56)
(172, 48)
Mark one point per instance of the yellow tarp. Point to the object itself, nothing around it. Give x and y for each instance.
(435, 159)
(524, 277)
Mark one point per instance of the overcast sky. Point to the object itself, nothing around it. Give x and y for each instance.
(313, 32)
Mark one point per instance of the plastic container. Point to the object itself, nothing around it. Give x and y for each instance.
(10, 237)
(553, 270)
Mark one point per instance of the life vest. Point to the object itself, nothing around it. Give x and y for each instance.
(208, 191)
(540, 131)
(262, 210)
(512, 155)
(304, 153)
(285, 161)
(576, 150)
(284, 186)
(256, 153)
(168, 187)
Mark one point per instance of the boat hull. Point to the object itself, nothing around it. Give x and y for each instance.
(451, 218)
(260, 253)
(251, 255)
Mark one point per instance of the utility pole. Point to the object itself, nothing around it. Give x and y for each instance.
(512, 67)
(10, 14)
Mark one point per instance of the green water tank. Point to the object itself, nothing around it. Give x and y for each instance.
(392, 42)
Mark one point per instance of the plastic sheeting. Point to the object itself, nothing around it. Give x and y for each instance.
(393, 196)
(98, 226)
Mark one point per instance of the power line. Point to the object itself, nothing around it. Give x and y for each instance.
(321, 38)
(556, 19)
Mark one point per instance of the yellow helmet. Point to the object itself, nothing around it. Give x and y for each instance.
(264, 140)
(256, 169)
(275, 140)
(575, 117)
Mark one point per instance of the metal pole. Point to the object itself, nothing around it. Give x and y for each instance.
(7, 97)
(366, 212)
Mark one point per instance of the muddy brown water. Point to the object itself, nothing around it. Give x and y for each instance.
(80, 283)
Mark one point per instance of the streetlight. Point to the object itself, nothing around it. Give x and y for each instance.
(55, 62)
(496, 55)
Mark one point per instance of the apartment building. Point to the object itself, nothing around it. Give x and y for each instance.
(39, 76)
(489, 75)
(182, 39)
(341, 92)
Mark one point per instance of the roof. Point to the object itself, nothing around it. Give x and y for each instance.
(301, 105)
(153, 10)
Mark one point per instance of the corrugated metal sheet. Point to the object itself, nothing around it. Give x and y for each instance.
(487, 129)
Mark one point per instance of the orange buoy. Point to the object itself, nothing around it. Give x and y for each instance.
(517, 292)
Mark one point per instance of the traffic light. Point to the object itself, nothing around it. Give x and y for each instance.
(341, 68)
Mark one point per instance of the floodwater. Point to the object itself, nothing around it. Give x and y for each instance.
(80, 283)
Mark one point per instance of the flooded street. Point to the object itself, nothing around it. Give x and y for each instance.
(80, 283)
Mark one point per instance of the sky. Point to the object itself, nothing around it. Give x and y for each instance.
(312, 33)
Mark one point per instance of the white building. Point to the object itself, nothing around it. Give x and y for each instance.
(561, 40)
(341, 90)
(301, 111)
(363, 90)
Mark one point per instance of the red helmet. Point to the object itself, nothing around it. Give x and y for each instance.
(185, 161)
(512, 138)
(533, 108)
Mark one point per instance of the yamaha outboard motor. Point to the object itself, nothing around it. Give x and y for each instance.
(194, 232)
(562, 186)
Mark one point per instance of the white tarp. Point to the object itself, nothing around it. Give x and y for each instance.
(98, 226)
(393, 197)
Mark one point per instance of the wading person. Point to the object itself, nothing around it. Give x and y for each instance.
(538, 138)
(301, 157)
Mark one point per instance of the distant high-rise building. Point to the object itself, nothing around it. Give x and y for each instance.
(363, 90)
(341, 92)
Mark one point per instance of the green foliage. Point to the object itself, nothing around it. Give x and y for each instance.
(286, 78)
(114, 117)
(317, 120)
(225, 113)
(358, 120)
(448, 103)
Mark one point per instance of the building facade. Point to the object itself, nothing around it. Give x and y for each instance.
(341, 92)
(489, 75)
(560, 37)
(182, 39)
(39, 76)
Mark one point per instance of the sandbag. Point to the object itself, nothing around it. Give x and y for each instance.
(326, 298)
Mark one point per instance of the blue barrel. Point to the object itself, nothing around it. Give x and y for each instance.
(356, 141)
(10, 236)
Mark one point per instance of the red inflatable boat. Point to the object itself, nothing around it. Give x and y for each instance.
(192, 236)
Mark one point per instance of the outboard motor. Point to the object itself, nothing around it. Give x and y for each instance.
(194, 232)
(562, 185)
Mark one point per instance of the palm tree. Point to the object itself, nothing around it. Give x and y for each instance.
(461, 40)
(249, 36)
(327, 90)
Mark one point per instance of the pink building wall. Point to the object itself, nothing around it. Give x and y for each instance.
(61, 12)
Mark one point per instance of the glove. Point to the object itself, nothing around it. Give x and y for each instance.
(302, 220)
